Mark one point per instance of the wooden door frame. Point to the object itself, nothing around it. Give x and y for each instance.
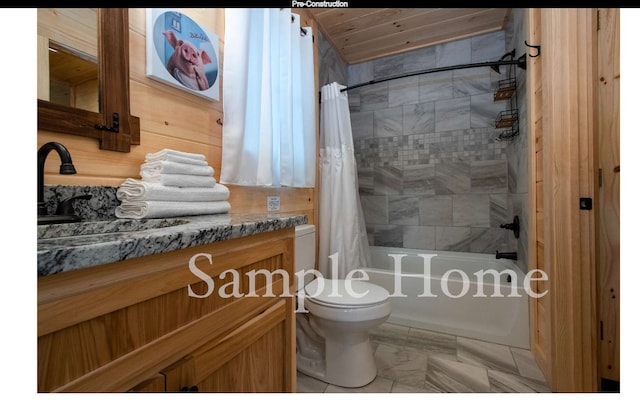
(568, 58)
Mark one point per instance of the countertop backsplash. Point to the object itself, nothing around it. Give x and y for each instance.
(101, 206)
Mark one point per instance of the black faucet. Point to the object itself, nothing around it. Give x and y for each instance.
(66, 168)
(514, 226)
(508, 255)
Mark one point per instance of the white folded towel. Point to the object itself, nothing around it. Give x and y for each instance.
(166, 209)
(179, 180)
(170, 155)
(171, 167)
(176, 158)
(136, 190)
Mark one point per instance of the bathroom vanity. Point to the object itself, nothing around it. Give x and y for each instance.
(178, 307)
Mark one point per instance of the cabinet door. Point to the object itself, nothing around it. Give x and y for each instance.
(256, 357)
(154, 384)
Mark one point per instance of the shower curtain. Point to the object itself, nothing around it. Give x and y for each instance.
(343, 236)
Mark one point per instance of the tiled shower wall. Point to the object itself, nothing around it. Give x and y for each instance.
(517, 149)
(431, 175)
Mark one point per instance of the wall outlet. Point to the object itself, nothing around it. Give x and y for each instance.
(273, 203)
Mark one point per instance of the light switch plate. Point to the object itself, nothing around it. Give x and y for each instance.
(273, 203)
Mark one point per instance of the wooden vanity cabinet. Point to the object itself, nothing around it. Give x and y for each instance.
(132, 326)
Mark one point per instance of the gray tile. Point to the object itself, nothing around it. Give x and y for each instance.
(378, 385)
(489, 176)
(387, 122)
(419, 179)
(453, 238)
(359, 73)
(419, 237)
(419, 60)
(307, 384)
(455, 377)
(387, 180)
(375, 210)
(402, 388)
(497, 210)
(527, 366)
(404, 91)
(388, 235)
(389, 334)
(453, 114)
(419, 118)
(432, 343)
(471, 210)
(453, 53)
(453, 177)
(436, 86)
(484, 110)
(436, 210)
(374, 97)
(362, 125)
(488, 47)
(484, 354)
(404, 210)
(502, 382)
(387, 66)
(365, 181)
(402, 366)
(488, 240)
(472, 81)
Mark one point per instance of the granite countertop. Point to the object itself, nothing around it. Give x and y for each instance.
(57, 253)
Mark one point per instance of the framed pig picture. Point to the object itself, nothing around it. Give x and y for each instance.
(181, 53)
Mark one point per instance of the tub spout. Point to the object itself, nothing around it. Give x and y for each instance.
(508, 255)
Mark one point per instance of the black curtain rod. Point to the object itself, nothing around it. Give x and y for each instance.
(520, 62)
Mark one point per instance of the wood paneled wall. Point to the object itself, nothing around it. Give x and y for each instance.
(564, 120)
(609, 191)
(170, 118)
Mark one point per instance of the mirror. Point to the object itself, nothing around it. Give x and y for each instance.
(111, 122)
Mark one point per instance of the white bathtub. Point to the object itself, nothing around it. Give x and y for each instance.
(498, 317)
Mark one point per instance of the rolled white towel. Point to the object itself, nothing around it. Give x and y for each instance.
(136, 190)
(166, 154)
(170, 167)
(166, 209)
(179, 180)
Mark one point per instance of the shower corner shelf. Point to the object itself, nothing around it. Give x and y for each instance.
(506, 88)
(507, 119)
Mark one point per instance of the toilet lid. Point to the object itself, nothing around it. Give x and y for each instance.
(340, 292)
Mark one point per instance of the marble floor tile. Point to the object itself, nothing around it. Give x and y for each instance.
(407, 367)
(502, 382)
(378, 385)
(402, 388)
(527, 366)
(431, 343)
(307, 384)
(389, 334)
(456, 377)
(485, 354)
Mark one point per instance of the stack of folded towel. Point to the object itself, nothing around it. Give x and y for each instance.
(174, 184)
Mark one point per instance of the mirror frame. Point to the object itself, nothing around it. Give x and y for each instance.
(113, 92)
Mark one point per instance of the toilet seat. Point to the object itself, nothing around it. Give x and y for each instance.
(336, 294)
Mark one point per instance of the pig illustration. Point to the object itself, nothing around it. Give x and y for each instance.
(187, 62)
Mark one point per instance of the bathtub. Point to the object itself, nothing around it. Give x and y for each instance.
(442, 301)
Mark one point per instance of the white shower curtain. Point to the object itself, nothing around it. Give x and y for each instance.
(269, 131)
(343, 236)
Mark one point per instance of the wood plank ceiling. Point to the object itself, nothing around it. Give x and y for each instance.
(363, 34)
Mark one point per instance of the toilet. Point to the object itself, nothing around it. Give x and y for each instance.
(332, 339)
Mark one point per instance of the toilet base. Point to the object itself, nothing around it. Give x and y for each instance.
(348, 356)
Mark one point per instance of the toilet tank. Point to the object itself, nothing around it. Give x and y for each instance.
(305, 249)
